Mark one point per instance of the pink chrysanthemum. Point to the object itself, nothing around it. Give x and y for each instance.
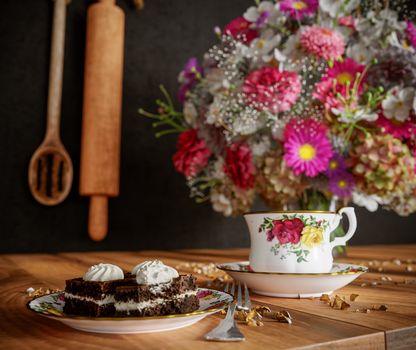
(397, 129)
(298, 9)
(307, 148)
(337, 80)
(268, 88)
(322, 42)
(342, 184)
(411, 33)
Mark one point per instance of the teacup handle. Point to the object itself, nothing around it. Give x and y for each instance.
(352, 220)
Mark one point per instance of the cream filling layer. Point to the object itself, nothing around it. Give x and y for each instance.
(133, 305)
(109, 299)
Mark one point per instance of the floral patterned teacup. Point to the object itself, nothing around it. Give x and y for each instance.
(296, 241)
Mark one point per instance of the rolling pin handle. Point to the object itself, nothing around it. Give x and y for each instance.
(98, 218)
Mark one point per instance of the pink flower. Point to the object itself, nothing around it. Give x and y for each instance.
(192, 154)
(411, 33)
(337, 80)
(347, 21)
(306, 145)
(268, 88)
(396, 128)
(239, 166)
(239, 28)
(286, 231)
(322, 42)
(298, 9)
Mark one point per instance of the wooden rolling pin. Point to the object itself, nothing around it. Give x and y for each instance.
(101, 124)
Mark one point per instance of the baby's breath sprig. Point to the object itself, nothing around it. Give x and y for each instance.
(167, 116)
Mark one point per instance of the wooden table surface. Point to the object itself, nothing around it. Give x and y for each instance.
(391, 281)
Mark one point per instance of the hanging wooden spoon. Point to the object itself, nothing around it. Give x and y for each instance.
(50, 168)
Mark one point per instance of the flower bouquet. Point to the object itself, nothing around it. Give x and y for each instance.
(301, 102)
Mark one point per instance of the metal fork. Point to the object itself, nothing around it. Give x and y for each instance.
(227, 330)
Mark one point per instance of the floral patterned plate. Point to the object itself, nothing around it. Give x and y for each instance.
(51, 306)
(293, 285)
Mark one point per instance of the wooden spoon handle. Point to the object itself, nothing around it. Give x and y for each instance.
(98, 218)
(56, 69)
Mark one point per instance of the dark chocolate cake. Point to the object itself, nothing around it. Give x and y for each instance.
(176, 297)
(152, 289)
(93, 298)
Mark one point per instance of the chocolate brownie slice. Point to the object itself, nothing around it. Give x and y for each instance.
(93, 298)
(178, 296)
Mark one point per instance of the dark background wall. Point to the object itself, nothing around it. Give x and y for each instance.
(153, 210)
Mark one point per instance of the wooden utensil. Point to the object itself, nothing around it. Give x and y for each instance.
(50, 168)
(101, 124)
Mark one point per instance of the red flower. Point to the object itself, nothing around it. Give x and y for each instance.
(239, 166)
(287, 231)
(192, 154)
(239, 28)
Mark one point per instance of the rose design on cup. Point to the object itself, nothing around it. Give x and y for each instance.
(297, 241)
(286, 231)
(296, 233)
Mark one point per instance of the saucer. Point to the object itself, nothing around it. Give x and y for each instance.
(51, 306)
(293, 285)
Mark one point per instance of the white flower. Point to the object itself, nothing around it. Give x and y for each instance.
(370, 202)
(254, 13)
(215, 79)
(377, 26)
(221, 203)
(394, 40)
(263, 47)
(189, 112)
(213, 116)
(346, 116)
(359, 52)
(337, 8)
(291, 56)
(398, 103)
(260, 147)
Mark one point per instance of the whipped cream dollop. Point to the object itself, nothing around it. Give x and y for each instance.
(104, 272)
(154, 272)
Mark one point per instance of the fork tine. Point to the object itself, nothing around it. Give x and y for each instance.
(239, 301)
(227, 285)
(232, 289)
(247, 297)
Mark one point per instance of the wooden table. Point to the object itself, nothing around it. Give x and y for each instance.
(315, 324)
